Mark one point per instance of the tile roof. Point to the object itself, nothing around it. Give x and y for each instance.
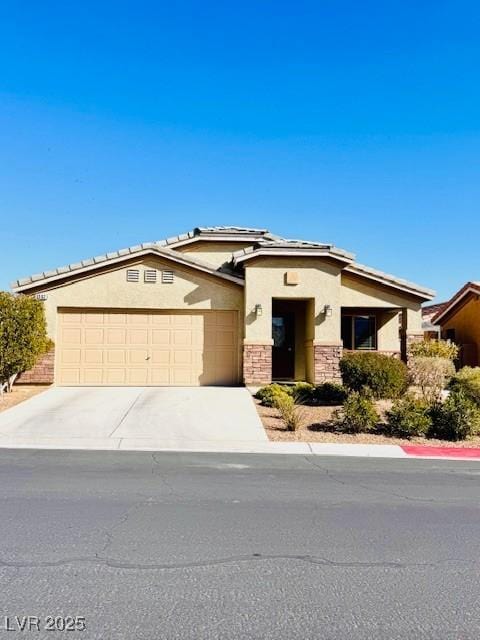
(263, 242)
(232, 232)
(114, 256)
(288, 245)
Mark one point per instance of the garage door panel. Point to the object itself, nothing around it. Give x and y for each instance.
(93, 356)
(116, 336)
(225, 339)
(161, 337)
(71, 336)
(93, 376)
(115, 376)
(160, 376)
(137, 336)
(160, 356)
(94, 336)
(137, 376)
(116, 356)
(69, 376)
(71, 356)
(147, 348)
(93, 318)
(138, 356)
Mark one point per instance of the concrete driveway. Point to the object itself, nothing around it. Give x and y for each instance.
(148, 418)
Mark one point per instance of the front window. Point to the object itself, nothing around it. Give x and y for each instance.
(359, 332)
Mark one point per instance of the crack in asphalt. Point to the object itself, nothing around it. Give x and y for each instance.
(255, 557)
(344, 483)
(157, 463)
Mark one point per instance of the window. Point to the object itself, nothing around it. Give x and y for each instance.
(359, 332)
(150, 275)
(133, 275)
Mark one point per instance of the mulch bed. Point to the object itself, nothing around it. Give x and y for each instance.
(20, 393)
(318, 428)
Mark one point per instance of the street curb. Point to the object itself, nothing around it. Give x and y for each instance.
(406, 452)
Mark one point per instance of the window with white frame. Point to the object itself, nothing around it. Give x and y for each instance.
(359, 332)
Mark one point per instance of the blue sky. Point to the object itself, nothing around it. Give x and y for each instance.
(355, 123)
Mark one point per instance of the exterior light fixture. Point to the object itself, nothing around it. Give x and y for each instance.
(328, 311)
(258, 310)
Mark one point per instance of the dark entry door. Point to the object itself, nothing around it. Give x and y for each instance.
(283, 355)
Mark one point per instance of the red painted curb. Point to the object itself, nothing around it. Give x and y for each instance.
(421, 451)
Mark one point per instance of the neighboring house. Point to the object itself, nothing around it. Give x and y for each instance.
(431, 331)
(460, 322)
(219, 306)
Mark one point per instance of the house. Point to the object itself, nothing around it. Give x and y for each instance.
(219, 306)
(459, 320)
(431, 331)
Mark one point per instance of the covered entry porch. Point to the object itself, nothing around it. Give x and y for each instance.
(297, 355)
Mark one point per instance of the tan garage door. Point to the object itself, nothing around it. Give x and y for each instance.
(116, 347)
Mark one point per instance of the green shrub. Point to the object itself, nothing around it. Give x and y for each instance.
(409, 417)
(434, 349)
(23, 336)
(357, 415)
(468, 381)
(457, 418)
(302, 392)
(329, 393)
(268, 394)
(386, 376)
(430, 375)
(291, 414)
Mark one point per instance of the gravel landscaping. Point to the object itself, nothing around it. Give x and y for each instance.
(317, 428)
(20, 393)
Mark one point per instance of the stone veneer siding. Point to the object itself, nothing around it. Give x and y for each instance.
(257, 363)
(327, 363)
(41, 373)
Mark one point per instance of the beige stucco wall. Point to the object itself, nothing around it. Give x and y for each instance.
(190, 290)
(359, 292)
(319, 280)
(466, 322)
(214, 253)
(388, 331)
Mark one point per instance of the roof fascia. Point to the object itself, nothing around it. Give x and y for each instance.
(287, 253)
(456, 300)
(166, 254)
(423, 294)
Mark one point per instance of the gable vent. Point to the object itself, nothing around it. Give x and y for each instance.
(167, 277)
(150, 275)
(133, 275)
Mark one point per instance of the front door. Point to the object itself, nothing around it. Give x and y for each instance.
(283, 355)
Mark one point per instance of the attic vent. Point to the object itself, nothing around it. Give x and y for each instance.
(133, 275)
(167, 277)
(150, 275)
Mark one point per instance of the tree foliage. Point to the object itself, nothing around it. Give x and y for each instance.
(23, 335)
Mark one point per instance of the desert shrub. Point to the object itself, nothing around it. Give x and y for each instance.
(386, 376)
(269, 393)
(23, 336)
(292, 414)
(329, 393)
(468, 381)
(457, 418)
(302, 392)
(357, 415)
(409, 417)
(433, 349)
(430, 375)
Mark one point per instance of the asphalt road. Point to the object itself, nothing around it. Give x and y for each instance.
(195, 546)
